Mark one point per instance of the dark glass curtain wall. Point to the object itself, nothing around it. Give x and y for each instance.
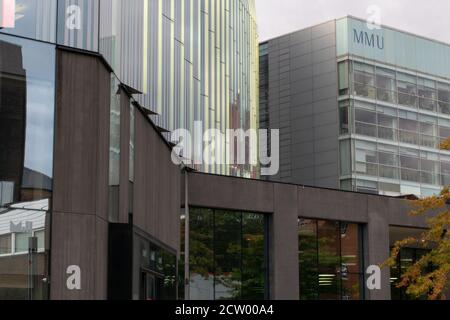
(330, 260)
(27, 94)
(228, 255)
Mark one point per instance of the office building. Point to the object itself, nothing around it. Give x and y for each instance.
(92, 205)
(359, 107)
(187, 61)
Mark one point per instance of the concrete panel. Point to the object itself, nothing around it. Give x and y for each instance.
(156, 186)
(285, 244)
(324, 93)
(323, 29)
(302, 98)
(81, 135)
(330, 182)
(325, 67)
(302, 149)
(302, 86)
(301, 61)
(325, 105)
(377, 250)
(326, 144)
(298, 111)
(325, 54)
(327, 131)
(300, 37)
(327, 157)
(323, 42)
(300, 135)
(325, 118)
(230, 193)
(81, 240)
(332, 205)
(301, 74)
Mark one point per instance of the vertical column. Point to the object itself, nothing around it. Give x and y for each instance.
(284, 244)
(376, 249)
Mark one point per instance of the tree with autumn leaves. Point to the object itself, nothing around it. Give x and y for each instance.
(419, 279)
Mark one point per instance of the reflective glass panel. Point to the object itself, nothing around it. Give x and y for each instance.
(27, 95)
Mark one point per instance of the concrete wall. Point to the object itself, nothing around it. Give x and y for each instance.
(302, 103)
(285, 203)
(79, 229)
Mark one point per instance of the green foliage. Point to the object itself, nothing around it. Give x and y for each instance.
(419, 279)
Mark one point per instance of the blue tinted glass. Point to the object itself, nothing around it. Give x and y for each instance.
(35, 19)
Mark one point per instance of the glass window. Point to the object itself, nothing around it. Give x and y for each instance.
(387, 121)
(35, 19)
(366, 152)
(364, 80)
(389, 187)
(388, 159)
(21, 242)
(308, 260)
(408, 125)
(6, 192)
(362, 67)
(40, 235)
(407, 89)
(443, 91)
(345, 152)
(344, 120)
(409, 163)
(350, 261)
(386, 88)
(444, 132)
(132, 140)
(365, 116)
(366, 186)
(253, 257)
(427, 94)
(406, 258)
(329, 260)
(343, 78)
(201, 254)
(78, 24)
(154, 271)
(228, 255)
(114, 151)
(5, 244)
(365, 123)
(27, 106)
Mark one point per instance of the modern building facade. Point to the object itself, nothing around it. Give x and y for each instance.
(359, 108)
(99, 214)
(91, 204)
(194, 60)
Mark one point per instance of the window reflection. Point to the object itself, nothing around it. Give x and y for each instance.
(156, 269)
(35, 19)
(26, 164)
(329, 260)
(227, 255)
(406, 258)
(27, 115)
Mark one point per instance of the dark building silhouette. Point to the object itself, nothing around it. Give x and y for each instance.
(13, 93)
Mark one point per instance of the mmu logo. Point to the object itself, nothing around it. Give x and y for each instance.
(368, 39)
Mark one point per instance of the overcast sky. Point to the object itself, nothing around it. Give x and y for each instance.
(429, 18)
